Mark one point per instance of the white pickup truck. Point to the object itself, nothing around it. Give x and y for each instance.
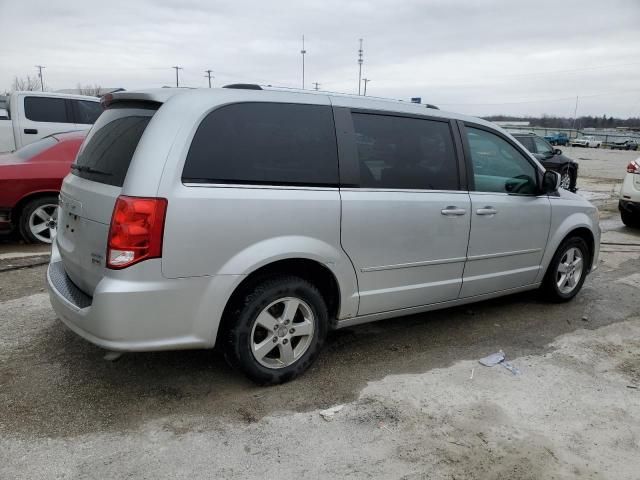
(30, 116)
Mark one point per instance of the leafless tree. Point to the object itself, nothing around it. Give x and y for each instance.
(27, 83)
(93, 90)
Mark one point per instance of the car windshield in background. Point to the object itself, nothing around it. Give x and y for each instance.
(29, 151)
(107, 151)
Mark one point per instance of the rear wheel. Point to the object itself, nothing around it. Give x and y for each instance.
(277, 330)
(567, 271)
(38, 221)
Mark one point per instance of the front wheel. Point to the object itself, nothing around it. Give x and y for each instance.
(566, 179)
(630, 220)
(567, 271)
(277, 330)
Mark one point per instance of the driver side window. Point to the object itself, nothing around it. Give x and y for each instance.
(498, 166)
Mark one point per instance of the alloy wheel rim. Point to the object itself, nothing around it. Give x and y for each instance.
(569, 271)
(282, 332)
(565, 181)
(43, 222)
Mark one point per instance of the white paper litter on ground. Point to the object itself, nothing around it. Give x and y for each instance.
(329, 413)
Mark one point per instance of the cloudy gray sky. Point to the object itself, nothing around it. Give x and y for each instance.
(477, 57)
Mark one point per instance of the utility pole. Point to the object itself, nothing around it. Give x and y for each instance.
(40, 67)
(316, 86)
(575, 115)
(177, 68)
(360, 66)
(208, 75)
(303, 52)
(365, 80)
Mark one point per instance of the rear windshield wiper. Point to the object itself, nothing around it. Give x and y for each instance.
(87, 169)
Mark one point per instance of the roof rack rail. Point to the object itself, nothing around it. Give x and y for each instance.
(244, 86)
(435, 107)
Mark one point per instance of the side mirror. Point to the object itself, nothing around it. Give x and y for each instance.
(550, 182)
(557, 151)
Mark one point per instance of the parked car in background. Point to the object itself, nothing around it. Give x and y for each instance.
(30, 180)
(557, 138)
(35, 115)
(551, 158)
(629, 204)
(628, 144)
(270, 217)
(588, 141)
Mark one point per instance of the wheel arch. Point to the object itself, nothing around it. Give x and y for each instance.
(16, 211)
(306, 268)
(581, 231)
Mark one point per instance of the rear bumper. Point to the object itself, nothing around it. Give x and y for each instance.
(145, 312)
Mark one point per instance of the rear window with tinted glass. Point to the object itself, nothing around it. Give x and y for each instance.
(265, 143)
(44, 109)
(108, 149)
(527, 142)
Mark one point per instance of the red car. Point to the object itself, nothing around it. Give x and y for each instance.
(30, 181)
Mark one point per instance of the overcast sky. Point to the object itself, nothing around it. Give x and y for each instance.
(476, 57)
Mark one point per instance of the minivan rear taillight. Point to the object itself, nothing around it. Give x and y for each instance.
(633, 167)
(135, 234)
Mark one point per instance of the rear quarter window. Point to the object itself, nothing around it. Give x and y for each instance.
(87, 112)
(265, 143)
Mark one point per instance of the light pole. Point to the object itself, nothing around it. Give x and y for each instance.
(177, 68)
(365, 80)
(208, 75)
(303, 52)
(360, 60)
(40, 67)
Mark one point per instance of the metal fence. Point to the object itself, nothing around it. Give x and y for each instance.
(605, 136)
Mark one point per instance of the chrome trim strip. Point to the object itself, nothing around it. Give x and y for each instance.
(412, 264)
(503, 254)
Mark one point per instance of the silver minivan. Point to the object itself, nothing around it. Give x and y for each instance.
(258, 219)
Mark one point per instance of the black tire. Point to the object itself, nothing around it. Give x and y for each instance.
(550, 287)
(243, 315)
(630, 220)
(25, 215)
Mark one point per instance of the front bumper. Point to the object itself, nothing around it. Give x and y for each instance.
(629, 206)
(141, 310)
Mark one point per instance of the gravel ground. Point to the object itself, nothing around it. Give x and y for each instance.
(416, 404)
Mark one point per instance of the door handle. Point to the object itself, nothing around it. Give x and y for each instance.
(452, 211)
(486, 211)
(30, 131)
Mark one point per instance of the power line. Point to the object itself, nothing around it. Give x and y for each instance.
(208, 75)
(40, 67)
(177, 68)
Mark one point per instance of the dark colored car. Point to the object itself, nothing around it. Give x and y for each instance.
(30, 181)
(551, 158)
(626, 145)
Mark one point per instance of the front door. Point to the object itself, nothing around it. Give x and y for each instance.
(43, 116)
(405, 226)
(509, 221)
